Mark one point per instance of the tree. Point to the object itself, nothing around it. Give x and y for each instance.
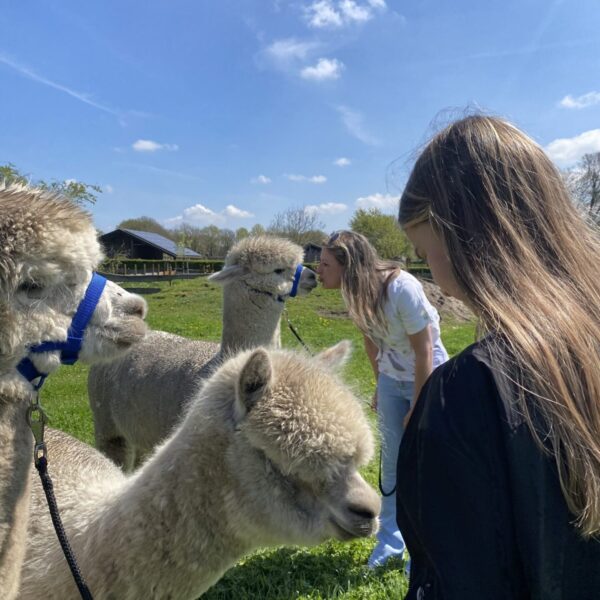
(382, 231)
(77, 191)
(257, 230)
(583, 181)
(151, 225)
(298, 225)
(241, 233)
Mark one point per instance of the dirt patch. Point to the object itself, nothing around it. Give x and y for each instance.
(450, 308)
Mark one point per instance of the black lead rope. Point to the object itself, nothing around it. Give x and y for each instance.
(37, 419)
(295, 332)
(383, 493)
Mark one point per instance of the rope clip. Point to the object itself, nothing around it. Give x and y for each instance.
(37, 419)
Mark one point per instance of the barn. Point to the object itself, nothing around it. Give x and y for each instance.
(143, 244)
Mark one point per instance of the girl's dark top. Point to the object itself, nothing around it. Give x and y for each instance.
(478, 503)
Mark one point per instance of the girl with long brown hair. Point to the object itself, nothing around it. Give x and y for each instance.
(499, 470)
(402, 340)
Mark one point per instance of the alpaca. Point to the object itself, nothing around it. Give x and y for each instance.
(267, 454)
(48, 249)
(137, 400)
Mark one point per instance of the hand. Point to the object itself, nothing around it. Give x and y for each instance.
(374, 401)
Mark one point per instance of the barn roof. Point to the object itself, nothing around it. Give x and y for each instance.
(162, 243)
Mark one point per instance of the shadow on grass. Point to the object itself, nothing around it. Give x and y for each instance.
(290, 573)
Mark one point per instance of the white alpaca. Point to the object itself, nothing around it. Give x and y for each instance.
(48, 250)
(267, 454)
(138, 399)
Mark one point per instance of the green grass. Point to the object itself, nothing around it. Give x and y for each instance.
(192, 308)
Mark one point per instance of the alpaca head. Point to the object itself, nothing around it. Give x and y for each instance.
(266, 265)
(48, 250)
(297, 437)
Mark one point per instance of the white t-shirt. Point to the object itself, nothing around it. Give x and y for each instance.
(407, 311)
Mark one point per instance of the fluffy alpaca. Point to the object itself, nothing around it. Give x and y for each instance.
(267, 454)
(48, 250)
(137, 400)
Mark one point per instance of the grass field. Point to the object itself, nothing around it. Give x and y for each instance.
(334, 570)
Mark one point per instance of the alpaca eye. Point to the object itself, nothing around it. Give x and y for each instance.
(30, 287)
(279, 271)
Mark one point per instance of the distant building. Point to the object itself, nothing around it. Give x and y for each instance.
(143, 244)
(312, 253)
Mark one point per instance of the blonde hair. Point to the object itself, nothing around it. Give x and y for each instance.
(524, 257)
(364, 280)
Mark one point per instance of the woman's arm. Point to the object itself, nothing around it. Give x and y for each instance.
(422, 346)
(372, 350)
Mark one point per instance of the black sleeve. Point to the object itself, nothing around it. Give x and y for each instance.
(453, 495)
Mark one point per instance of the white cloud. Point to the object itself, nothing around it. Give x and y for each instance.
(383, 202)
(236, 213)
(327, 208)
(353, 122)
(342, 162)
(566, 151)
(355, 12)
(323, 14)
(203, 215)
(317, 179)
(199, 212)
(582, 101)
(290, 49)
(262, 179)
(326, 68)
(330, 14)
(152, 146)
(313, 179)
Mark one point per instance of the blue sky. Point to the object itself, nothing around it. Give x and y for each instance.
(227, 112)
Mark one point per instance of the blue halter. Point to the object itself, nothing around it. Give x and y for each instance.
(70, 348)
(296, 283)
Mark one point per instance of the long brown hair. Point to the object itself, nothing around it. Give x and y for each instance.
(364, 279)
(527, 262)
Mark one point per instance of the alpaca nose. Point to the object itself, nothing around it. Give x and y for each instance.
(363, 512)
(133, 305)
(137, 307)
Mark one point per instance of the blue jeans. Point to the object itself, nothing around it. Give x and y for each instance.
(394, 399)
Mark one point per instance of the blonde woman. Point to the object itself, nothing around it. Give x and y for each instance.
(499, 470)
(402, 340)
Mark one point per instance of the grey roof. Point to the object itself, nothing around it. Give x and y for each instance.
(163, 243)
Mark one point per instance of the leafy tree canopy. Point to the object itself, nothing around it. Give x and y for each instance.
(298, 225)
(77, 191)
(583, 181)
(257, 229)
(382, 231)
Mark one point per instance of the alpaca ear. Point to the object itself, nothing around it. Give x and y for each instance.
(337, 356)
(254, 379)
(227, 274)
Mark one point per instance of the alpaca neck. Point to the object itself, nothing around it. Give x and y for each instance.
(173, 515)
(250, 319)
(16, 443)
